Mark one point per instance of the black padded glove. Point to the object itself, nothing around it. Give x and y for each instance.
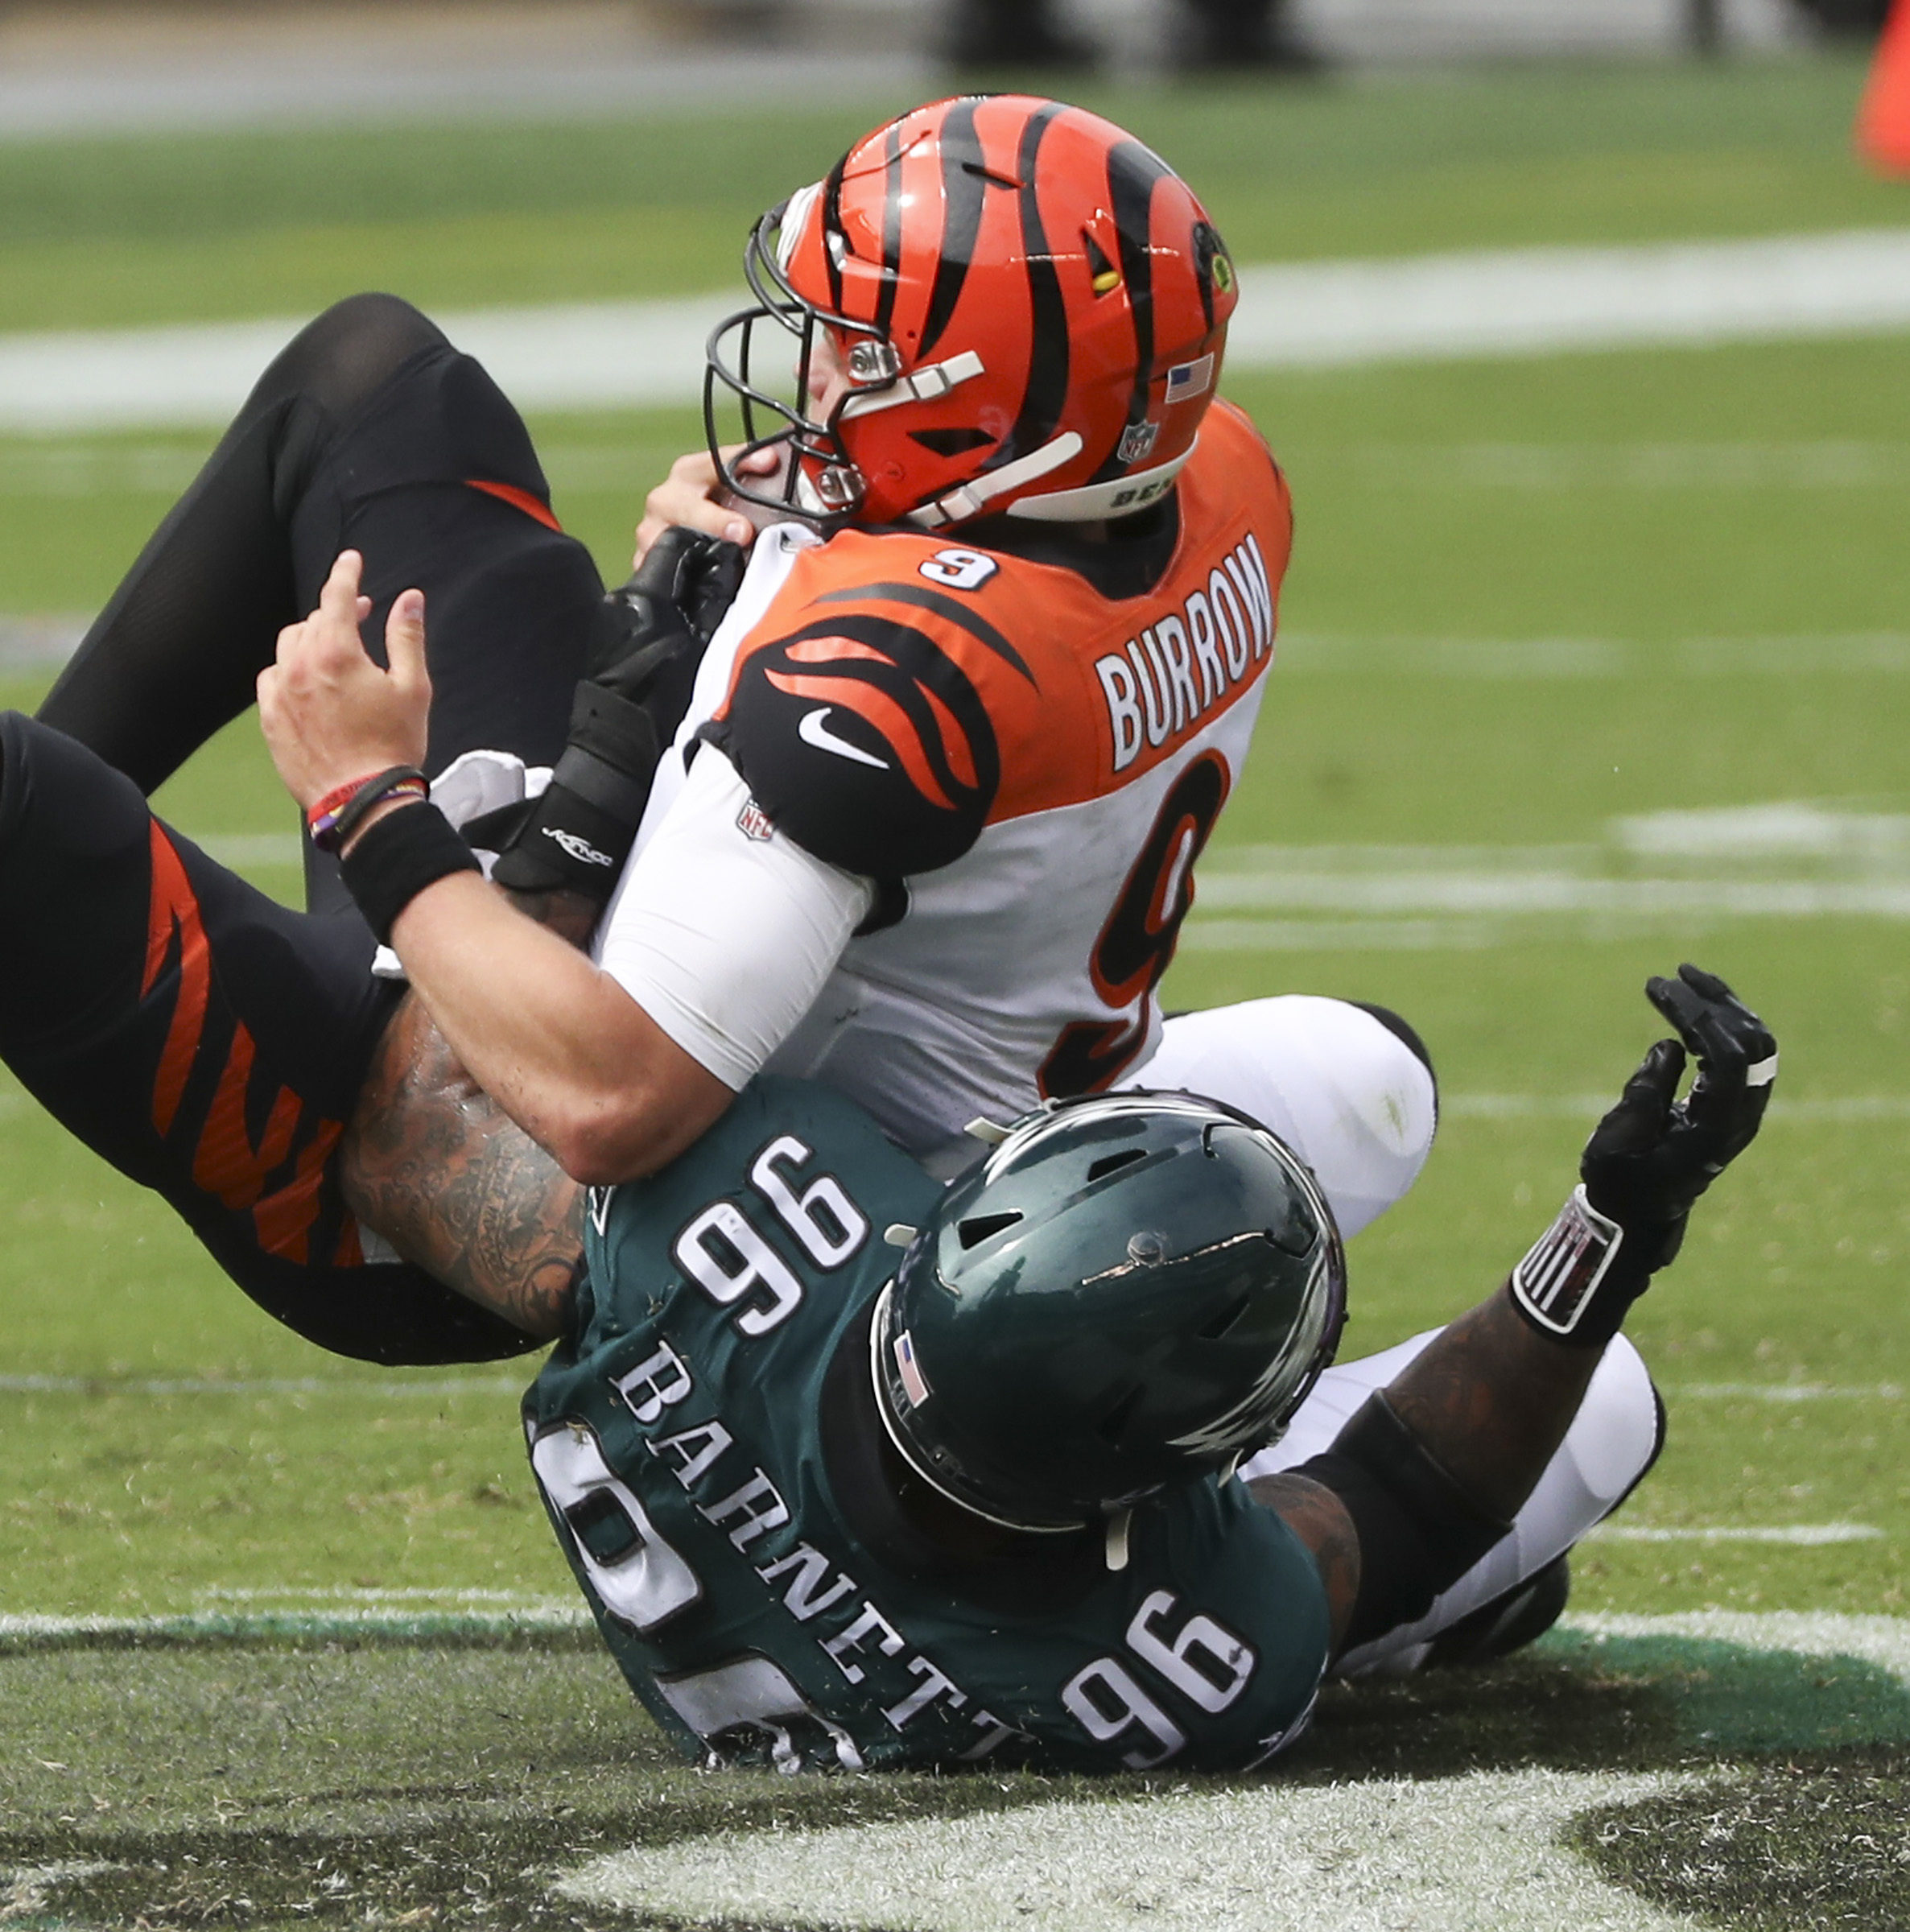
(654, 628)
(1648, 1160)
(650, 638)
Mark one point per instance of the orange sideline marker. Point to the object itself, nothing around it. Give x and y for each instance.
(1883, 118)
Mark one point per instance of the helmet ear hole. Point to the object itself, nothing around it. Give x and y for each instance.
(978, 1227)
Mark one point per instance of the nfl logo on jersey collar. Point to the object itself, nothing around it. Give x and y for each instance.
(754, 823)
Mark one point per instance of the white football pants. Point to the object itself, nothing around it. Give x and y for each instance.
(1357, 1104)
(1609, 1445)
(1345, 1093)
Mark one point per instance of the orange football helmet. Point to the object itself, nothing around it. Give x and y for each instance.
(995, 303)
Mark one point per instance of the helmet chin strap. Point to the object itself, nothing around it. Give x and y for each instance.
(1114, 1552)
(971, 498)
(1118, 497)
(933, 380)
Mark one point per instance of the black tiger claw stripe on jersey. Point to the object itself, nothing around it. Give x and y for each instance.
(916, 802)
(944, 605)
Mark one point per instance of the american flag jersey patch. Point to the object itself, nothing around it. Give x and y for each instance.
(1564, 1265)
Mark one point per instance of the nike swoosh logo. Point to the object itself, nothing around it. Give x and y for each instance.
(814, 730)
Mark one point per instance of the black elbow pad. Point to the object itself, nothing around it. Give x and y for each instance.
(1419, 1531)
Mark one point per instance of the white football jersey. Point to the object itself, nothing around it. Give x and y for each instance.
(1016, 771)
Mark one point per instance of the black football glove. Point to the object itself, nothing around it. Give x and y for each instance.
(654, 629)
(642, 659)
(1648, 1160)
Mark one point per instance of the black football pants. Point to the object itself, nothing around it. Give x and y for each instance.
(368, 432)
(208, 1042)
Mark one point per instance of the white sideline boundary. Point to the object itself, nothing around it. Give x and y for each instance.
(1479, 303)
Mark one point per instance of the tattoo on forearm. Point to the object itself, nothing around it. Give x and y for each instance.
(1491, 1399)
(436, 1167)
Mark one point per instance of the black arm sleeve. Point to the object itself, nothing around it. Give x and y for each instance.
(1419, 1531)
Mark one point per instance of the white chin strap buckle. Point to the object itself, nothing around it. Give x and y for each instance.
(926, 385)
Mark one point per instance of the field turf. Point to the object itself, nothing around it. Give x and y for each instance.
(1589, 663)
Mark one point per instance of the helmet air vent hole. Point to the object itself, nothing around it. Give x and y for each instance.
(979, 1226)
(1224, 1320)
(1113, 1163)
(1110, 1426)
(951, 442)
(988, 175)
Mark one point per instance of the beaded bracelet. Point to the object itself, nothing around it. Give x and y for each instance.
(332, 820)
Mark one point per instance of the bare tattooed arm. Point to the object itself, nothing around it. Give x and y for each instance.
(1319, 1519)
(435, 1167)
(1491, 1399)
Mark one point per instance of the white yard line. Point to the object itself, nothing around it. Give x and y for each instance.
(1490, 302)
(1502, 895)
(1589, 1106)
(1785, 1391)
(1551, 660)
(186, 1385)
(1807, 1535)
(1883, 1640)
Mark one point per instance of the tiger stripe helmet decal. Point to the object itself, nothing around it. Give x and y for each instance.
(995, 303)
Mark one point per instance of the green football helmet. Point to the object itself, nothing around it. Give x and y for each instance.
(1131, 1291)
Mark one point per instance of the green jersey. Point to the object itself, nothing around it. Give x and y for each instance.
(696, 1441)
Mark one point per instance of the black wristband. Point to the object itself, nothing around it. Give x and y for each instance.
(395, 857)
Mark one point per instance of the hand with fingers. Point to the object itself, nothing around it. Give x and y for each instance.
(330, 714)
(657, 624)
(1649, 1159)
(693, 497)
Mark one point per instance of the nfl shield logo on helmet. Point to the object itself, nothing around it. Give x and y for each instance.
(1137, 442)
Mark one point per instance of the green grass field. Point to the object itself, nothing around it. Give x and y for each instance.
(1551, 622)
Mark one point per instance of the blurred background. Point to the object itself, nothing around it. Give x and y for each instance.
(1585, 338)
